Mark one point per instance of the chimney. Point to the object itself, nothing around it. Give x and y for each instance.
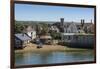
(82, 22)
(91, 20)
(62, 24)
(62, 21)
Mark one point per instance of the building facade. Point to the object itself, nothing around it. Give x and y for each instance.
(21, 40)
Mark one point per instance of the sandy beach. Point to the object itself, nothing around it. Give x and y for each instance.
(33, 47)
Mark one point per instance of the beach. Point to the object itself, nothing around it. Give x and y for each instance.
(33, 47)
(49, 54)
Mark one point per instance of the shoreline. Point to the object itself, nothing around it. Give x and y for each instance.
(47, 48)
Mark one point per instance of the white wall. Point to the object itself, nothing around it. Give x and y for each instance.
(5, 34)
(33, 35)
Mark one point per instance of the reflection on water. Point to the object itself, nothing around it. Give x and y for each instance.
(52, 57)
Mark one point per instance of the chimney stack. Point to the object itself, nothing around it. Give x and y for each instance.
(82, 22)
(91, 20)
(62, 24)
(62, 21)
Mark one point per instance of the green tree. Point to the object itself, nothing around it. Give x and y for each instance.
(45, 29)
(55, 35)
(19, 27)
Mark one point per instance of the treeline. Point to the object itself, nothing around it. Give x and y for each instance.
(21, 25)
(42, 28)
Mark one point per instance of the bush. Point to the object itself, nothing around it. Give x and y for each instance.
(55, 35)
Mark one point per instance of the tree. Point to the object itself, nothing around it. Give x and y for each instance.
(19, 27)
(55, 35)
(44, 30)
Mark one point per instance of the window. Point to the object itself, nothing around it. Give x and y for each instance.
(17, 41)
(31, 33)
(69, 37)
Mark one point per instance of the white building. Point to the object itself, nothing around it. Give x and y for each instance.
(54, 29)
(30, 32)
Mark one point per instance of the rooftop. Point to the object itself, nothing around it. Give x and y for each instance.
(22, 37)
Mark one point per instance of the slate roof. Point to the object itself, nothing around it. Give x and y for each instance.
(67, 24)
(22, 37)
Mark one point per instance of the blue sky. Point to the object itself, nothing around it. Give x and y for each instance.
(26, 12)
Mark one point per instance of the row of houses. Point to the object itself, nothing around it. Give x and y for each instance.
(29, 33)
(78, 35)
(68, 27)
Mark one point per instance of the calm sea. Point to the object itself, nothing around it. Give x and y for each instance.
(28, 58)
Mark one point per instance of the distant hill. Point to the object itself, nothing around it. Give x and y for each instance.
(35, 22)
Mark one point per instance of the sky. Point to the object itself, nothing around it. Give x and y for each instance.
(27, 12)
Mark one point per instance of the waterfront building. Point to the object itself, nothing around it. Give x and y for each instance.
(21, 40)
(75, 35)
(30, 31)
(46, 39)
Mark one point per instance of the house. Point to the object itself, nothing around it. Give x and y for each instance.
(21, 40)
(53, 29)
(89, 28)
(76, 35)
(71, 29)
(30, 31)
(79, 40)
(74, 28)
(46, 39)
